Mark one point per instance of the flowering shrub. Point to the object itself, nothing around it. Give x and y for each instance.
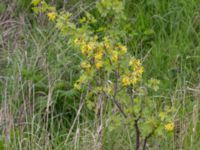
(102, 59)
(109, 72)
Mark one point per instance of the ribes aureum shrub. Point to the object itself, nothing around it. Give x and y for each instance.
(109, 72)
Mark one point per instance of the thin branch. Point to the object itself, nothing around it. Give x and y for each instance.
(132, 96)
(117, 104)
(120, 108)
(137, 144)
(115, 95)
(146, 139)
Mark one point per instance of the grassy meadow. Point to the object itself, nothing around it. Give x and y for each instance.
(41, 109)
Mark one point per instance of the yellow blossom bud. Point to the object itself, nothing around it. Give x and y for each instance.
(169, 126)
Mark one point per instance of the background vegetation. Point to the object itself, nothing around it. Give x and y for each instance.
(38, 103)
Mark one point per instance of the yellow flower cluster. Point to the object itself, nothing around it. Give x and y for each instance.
(126, 81)
(134, 76)
(51, 16)
(99, 55)
(98, 59)
(123, 49)
(103, 54)
(85, 49)
(114, 56)
(169, 126)
(135, 64)
(92, 50)
(130, 80)
(99, 64)
(85, 65)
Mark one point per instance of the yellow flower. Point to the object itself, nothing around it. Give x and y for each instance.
(99, 64)
(126, 81)
(91, 46)
(98, 56)
(123, 49)
(136, 66)
(87, 47)
(114, 56)
(134, 80)
(139, 70)
(169, 126)
(85, 65)
(134, 62)
(51, 16)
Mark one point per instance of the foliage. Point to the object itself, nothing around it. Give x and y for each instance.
(47, 67)
(109, 72)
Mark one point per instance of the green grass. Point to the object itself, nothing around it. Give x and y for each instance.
(37, 71)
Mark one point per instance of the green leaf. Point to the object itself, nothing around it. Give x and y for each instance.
(162, 116)
(90, 105)
(1, 145)
(149, 32)
(2, 7)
